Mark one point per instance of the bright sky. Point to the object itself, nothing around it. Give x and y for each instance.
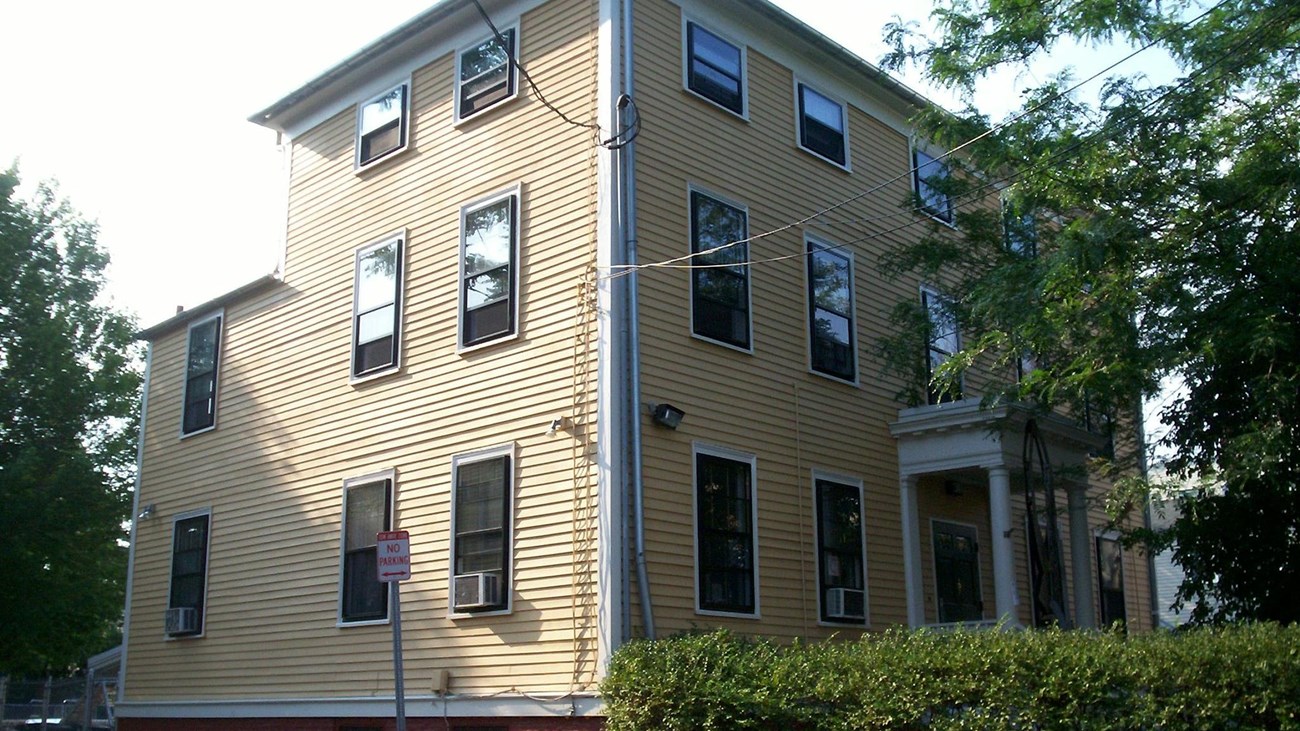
(138, 108)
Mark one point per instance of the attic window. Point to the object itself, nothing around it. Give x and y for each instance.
(485, 74)
(381, 126)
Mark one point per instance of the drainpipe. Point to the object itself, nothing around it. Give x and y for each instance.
(135, 524)
(633, 415)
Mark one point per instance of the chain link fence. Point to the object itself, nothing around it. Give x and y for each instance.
(57, 703)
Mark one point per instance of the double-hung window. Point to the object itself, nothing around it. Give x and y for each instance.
(203, 356)
(725, 544)
(822, 126)
(189, 575)
(929, 175)
(830, 310)
(485, 73)
(942, 341)
(481, 528)
(382, 125)
(720, 277)
(377, 307)
(1019, 229)
(367, 510)
(715, 68)
(489, 269)
(841, 564)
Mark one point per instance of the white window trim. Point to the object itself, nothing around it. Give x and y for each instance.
(357, 164)
(932, 151)
(207, 569)
(513, 70)
(391, 476)
(749, 274)
(932, 291)
(698, 448)
(510, 450)
(847, 165)
(744, 68)
(516, 264)
(185, 371)
(811, 240)
(818, 474)
(934, 572)
(400, 303)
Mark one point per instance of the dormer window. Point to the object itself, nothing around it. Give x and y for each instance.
(485, 74)
(381, 125)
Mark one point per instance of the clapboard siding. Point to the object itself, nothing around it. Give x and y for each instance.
(291, 427)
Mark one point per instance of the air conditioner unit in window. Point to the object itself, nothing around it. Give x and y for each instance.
(181, 621)
(475, 591)
(846, 604)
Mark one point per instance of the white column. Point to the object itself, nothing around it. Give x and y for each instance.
(1085, 612)
(911, 551)
(1004, 566)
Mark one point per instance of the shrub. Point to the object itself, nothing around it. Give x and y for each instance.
(1243, 677)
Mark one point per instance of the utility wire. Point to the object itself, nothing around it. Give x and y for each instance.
(668, 263)
(973, 196)
(621, 139)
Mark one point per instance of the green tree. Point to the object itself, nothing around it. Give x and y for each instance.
(1167, 243)
(68, 394)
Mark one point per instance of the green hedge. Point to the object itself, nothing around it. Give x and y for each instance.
(1245, 677)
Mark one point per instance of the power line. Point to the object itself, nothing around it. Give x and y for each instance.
(668, 263)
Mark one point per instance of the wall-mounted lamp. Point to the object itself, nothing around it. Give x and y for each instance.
(667, 415)
(556, 424)
(953, 487)
(146, 512)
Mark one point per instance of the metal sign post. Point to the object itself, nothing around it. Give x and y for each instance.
(394, 551)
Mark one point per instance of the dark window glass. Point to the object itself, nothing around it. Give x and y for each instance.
(1110, 581)
(839, 548)
(201, 363)
(830, 300)
(377, 308)
(1019, 230)
(724, 498)
(943, 341)
(713, 68)
(956, 565)
(929, 175)
(381, 127)
(483, 523)
(486, 74)
(366, 512)
(720, 283)
(189, 567)
(821, 125)
(488, 271)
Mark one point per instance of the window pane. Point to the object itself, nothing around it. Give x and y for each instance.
(822, 109)
(375, 325)
(488, 237)
(367, 511)
(830, 277)
(485, 56)
(363, 593)
(382, 111)
(715, 51)
(716, 225)
(487, 288)
(377, 277)
(928, 169)
(203, 346)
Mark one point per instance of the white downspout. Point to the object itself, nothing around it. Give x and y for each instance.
(135, 520)
(627, 171)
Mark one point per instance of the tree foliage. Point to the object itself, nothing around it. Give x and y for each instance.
(68, 396)
(1166, 222)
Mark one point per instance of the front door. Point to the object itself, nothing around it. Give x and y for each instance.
(956, 568)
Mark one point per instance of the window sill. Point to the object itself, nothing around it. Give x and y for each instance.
(731, 615)
(374, 375)
(722, 343)
(196, 432)
(836, 379)
(744, 117)
(474, 615)
(458, 120)
(344, 624)
(360, 168)
(845, 167)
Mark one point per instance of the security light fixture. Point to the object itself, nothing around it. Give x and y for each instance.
(667, 415)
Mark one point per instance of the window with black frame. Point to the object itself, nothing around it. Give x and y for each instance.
(381, 125)
(720, 277)
(489, 249)
(725, 540)
(942, 341)
(202, 359)
(189, 573)
(928, 176)
(367, 510)
(715, 68)
(486, 74)
(821, 125)
(377, 308)
(841, 564)
(830, 311)
(481, 545)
